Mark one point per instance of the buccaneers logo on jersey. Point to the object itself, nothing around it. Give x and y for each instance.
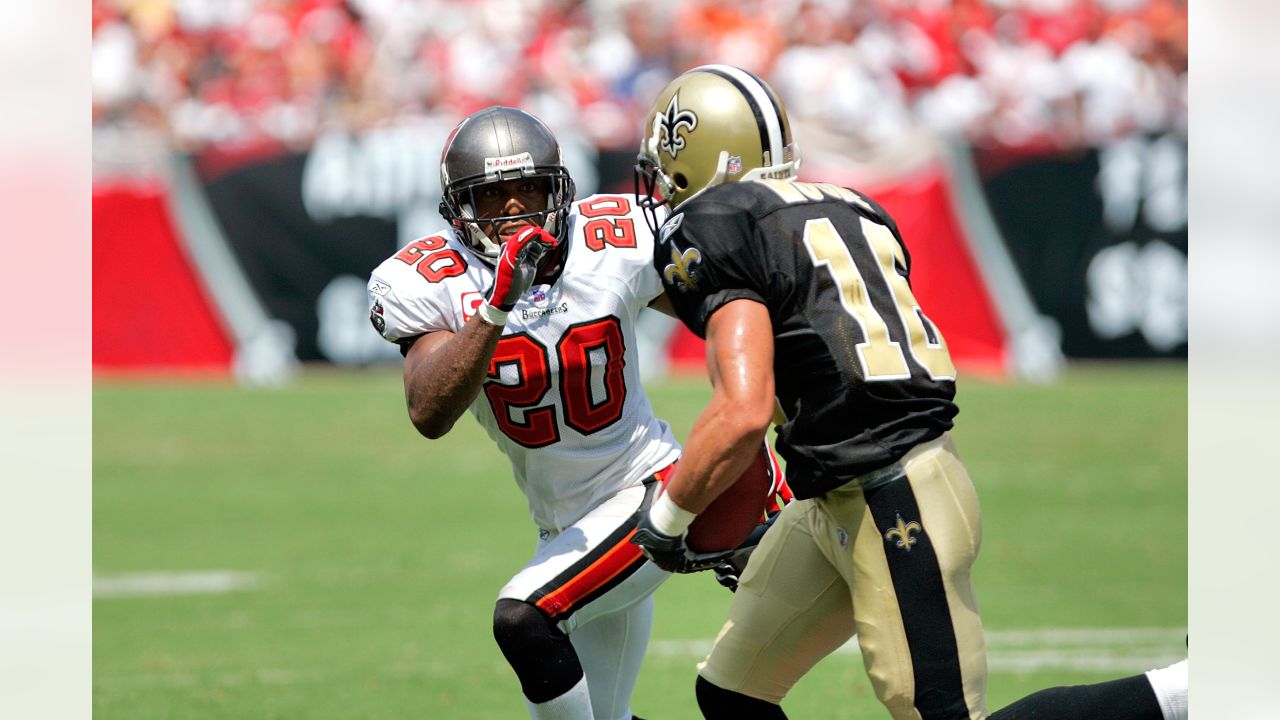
(377, 317)
(666, 126)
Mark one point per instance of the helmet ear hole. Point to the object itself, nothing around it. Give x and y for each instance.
(680, 180)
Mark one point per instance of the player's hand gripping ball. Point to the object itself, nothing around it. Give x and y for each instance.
(730, 518)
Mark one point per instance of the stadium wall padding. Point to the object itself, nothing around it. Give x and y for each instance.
(1113, 275)
(1100, 238)
(150, 310)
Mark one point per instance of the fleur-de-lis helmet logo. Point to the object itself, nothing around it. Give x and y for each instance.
(666, 126)
(681, 273)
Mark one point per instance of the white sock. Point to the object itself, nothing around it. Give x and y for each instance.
(573, 705)
(1170, 686)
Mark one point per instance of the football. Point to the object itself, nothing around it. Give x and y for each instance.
(730, 518)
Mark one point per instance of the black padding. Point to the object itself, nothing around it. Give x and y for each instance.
(717, 703)
(539, 652)
(1129, 698)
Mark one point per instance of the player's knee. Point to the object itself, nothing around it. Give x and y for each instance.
(539, 652)
(521, 628)
(716, 703)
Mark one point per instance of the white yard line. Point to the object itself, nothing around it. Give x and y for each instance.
(1114, 651)
(1085, 636)
(173, 583)
(1111, 650)
(267, 676)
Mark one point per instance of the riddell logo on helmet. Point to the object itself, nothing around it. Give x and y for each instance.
(510, 162)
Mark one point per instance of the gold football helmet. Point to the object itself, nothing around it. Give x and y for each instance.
(713, 124)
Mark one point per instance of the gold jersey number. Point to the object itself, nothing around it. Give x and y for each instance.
(880, 356)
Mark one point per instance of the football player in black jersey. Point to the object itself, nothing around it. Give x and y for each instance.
(803, 295)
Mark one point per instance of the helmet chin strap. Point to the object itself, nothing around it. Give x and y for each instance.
(481, 240)
(487, 250)
(550, 221)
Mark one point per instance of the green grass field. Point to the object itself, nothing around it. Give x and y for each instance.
(377, 554)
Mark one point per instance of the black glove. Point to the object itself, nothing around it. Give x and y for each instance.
(670, 553)
(727, 574)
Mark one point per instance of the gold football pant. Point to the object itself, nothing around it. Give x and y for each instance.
(887, 556)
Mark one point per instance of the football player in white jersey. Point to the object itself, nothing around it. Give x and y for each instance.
(523, 311)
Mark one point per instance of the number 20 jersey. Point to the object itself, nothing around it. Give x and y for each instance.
(563, 398)
(860, 372)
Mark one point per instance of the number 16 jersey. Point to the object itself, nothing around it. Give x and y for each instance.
(860, 372)
(563, 398)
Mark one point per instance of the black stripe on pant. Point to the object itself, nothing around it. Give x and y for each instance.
(922, 599)
(619, 536)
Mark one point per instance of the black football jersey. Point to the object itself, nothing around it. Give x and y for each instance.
(861, 374)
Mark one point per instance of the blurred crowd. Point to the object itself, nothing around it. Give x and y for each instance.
(868, 73)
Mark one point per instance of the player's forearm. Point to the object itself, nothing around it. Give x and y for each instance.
(442, 381)
(732, 426)
(721, 446)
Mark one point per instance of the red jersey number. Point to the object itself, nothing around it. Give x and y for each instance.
(529, 358)
(433, 261)
(607, 224)
(576, 350)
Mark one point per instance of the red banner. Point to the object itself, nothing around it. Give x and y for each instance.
(150, 311)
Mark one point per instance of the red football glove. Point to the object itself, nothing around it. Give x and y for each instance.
(518, 264)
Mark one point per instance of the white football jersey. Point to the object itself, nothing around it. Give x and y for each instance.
(563, 398)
